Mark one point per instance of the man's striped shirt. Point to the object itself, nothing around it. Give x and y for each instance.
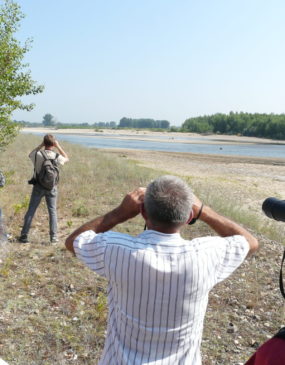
(158, 291)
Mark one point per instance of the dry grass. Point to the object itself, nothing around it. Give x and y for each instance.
(53, 310)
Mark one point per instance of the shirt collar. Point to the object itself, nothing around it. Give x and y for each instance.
(159, 236)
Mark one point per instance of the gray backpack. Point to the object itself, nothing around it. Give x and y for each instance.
(48, 176)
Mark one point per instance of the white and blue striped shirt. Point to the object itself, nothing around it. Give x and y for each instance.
(158, 291)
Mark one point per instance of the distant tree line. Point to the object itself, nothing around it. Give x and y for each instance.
(246, 124)
(105, 125)
(50, 121)
(143, 123)
(24, 123)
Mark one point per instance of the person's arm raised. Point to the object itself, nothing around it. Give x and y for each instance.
(224, 226)
(35, 150)
(129, 208)
(60, 150)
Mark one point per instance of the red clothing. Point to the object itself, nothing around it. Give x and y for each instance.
(272, 352)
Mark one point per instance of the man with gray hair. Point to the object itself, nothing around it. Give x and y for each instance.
(159, 282)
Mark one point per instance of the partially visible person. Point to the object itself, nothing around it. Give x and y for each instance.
(158, 282)
(2, 231)
(3, 236)
(272, 352)
(45, 151)
(2, 179)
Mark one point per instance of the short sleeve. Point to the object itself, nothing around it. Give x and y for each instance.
(232, 252)
(62, 160)
(32, 156)
(90, 248)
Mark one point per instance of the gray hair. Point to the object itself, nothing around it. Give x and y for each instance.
(168, 200)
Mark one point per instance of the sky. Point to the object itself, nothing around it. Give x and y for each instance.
(163, 59)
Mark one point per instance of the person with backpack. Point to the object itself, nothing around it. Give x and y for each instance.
(45, 180)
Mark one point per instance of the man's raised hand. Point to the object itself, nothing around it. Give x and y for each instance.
(131, 204)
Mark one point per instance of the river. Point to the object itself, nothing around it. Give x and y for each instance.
(179, 144)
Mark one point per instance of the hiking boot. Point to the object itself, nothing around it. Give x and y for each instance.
(53, 239)
(23, 238)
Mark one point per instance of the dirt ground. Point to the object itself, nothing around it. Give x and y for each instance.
(268, 174)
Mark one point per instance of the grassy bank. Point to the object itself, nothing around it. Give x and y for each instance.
(53, 310)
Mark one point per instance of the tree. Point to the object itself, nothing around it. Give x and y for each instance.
(143, 123)
(15, 78)
(258, 125)
(48, 120)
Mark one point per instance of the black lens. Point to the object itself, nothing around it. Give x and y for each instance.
(274, 208)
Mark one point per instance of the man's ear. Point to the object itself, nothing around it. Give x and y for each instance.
(143, 212)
